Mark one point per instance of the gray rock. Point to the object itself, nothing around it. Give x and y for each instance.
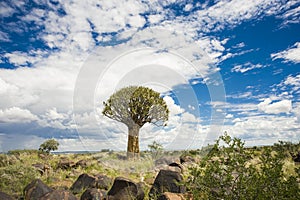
(42, 168)
(36, 189)
(187, 159)
(103, 181)
(81, 163)
(83, 182)
(166, 181)
(125, 189)
(66, 164)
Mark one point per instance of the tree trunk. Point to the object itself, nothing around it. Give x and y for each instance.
(133, 148)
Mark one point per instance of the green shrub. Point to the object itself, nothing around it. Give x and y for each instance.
(15, 177)
(4, 160)
(18, 152)
(156, 149)
(288, 148)
(228, 172)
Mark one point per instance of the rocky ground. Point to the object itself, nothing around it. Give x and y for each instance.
(106, 175)
(31, 175)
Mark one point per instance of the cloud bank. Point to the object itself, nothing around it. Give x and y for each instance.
(83, 57)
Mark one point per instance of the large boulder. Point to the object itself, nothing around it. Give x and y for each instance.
(125, 189)
(59, 195)
(65, 164)
(187, 159)
(103, 182)
(36, 189)
(42, 168)
(81, 163)
(5, 196)
(166, 181)
(93, 194)
(83, 182)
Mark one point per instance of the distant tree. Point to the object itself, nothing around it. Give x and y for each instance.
(155, 148)
(135, 106)
(49, 145)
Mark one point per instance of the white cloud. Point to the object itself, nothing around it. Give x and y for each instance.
(4, 36)
(296, 110)
(229, 116)
(263, 122)
(236, 120)
(35, 88)
(154, 19)
(240, 95)
(232, 13)
(269, 107)
(36, 15)
(239, 45)
(257, 128)
(5, 87)
(58, 120)
(290, 14)
(246, 67)
(213, 47)
(54, 115)
(191, 107)
(174, 109)
(291, 54)
(17, 115)
(293, 81)
(265, 129)
(5, 9)
(22, 59)
(17, 58)
(188, 7)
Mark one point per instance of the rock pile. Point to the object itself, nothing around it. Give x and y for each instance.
(167, 185)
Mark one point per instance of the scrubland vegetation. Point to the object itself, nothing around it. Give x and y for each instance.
(225, 170)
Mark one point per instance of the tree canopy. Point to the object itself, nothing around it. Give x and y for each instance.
(137, 105)
(49, 145)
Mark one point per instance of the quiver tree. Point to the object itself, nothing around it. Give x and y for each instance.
(135, 106)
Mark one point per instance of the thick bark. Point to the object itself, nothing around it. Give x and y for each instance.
(133, 148)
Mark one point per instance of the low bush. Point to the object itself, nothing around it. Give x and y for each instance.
(22, 151)
(231, 171)
(15, 177)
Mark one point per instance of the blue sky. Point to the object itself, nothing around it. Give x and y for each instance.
(221, 66)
